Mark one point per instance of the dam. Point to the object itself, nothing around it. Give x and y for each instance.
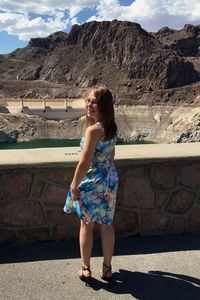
(52, 109)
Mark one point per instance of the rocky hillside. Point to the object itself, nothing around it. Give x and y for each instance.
(122, 55)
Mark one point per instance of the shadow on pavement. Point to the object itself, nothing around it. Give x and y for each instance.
(49, 250)
(154, 285)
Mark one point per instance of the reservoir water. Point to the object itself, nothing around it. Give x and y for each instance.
(52, 143)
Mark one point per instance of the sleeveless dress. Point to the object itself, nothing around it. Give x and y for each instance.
(97, 190)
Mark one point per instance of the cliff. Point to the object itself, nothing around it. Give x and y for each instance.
(120, 54)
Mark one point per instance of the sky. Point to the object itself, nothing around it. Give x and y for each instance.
(21, 20)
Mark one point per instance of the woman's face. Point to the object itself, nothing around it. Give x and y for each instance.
(92, 110)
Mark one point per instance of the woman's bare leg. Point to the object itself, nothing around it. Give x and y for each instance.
(86, 243)
(108, 242)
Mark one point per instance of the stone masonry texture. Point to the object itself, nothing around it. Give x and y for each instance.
(154, 198)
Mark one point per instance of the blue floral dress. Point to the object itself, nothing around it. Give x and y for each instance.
(97, 190)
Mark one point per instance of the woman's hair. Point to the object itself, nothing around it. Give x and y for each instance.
(106, 108)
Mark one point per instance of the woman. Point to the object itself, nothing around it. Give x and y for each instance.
(93, 189)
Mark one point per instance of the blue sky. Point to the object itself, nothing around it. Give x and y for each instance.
(21, 20)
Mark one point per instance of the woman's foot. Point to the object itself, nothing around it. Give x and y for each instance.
(106, 273)
(84, 273)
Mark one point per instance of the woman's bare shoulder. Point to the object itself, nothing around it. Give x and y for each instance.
(95, 130)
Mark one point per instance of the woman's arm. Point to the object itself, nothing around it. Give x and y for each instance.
(91, 137)
(113, 155)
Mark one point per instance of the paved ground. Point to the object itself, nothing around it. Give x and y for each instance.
(151, 268)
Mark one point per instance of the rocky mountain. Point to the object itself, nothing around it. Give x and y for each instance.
(120, 54)
(186, 42)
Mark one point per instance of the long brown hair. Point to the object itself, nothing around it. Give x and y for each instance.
(106, 108)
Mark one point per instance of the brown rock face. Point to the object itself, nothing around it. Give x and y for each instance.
(185, 42)
(50, 42)
(135, 51)
(119, 54)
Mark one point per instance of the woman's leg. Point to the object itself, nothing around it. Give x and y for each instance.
(86, 242)
(108, 242)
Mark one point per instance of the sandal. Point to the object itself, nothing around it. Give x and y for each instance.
(83, 277)
(103, 275)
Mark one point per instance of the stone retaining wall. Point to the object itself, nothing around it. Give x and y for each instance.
(155, 197)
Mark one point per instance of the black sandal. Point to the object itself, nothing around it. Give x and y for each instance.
(83, 277)
(104, 277)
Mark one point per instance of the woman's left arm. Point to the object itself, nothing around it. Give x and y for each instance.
(91, 137)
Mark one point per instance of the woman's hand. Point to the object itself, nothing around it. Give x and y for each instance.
(74, 192)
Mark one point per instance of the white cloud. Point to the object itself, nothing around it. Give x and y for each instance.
(16, 17)
(74, 21)
(26, 28)
(151, 14)
(48, 7)
(28, 19)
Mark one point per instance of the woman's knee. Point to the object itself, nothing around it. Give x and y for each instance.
(105, 227)
(87, 227)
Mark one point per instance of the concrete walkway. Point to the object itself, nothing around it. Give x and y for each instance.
(148, 268)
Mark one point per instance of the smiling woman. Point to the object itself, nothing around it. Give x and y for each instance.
(92, 192)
